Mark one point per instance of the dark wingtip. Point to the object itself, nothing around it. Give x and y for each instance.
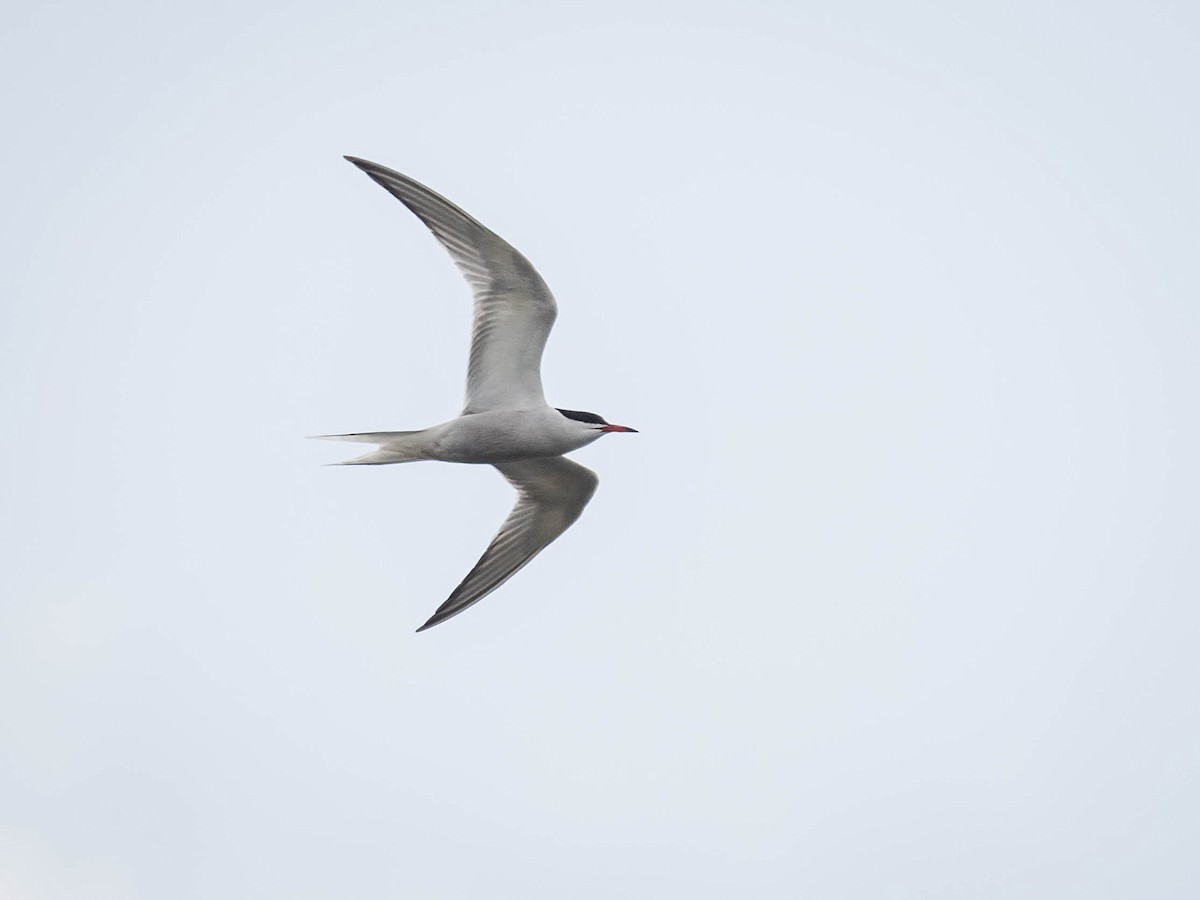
(441, 614)
(433, 620)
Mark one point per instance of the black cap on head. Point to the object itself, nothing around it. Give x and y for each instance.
(590, 418)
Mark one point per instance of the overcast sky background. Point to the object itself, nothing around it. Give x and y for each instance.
(893, 596)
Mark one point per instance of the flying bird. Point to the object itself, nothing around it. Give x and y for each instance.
(505, 421)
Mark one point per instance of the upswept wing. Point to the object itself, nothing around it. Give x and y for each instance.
(514, 310)
(551, 494)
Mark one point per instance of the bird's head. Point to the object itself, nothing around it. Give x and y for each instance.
(587, 421)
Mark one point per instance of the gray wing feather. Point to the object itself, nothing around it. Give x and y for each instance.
(514, 310)
(551, 495)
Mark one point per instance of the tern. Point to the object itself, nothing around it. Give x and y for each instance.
(505, 421)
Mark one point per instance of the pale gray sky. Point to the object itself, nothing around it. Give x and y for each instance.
(894, 596)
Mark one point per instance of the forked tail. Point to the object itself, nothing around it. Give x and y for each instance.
(393, 447)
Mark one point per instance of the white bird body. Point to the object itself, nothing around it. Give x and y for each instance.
(506, 421)
(496, 436)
